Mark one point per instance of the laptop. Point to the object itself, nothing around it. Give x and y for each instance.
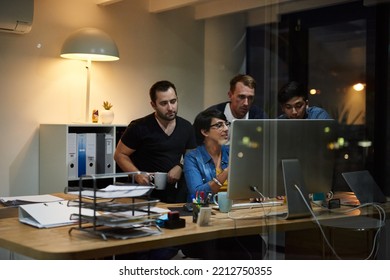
(364, 186)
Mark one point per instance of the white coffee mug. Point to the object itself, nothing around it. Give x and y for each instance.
(223, 202)
(159, 180)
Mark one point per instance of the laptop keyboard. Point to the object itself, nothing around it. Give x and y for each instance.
(249, 205)
(256, 204)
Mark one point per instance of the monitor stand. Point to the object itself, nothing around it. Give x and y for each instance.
(292, 175)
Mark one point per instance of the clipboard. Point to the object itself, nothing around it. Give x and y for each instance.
(48, 215)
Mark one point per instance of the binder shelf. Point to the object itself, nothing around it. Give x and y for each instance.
(67, 151)
(120, 211)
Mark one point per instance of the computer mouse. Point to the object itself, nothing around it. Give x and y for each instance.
(187, 207)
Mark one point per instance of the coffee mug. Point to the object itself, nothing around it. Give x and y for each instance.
(223, 202)
(159, 180)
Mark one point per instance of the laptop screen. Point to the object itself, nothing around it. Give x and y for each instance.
(364, 186)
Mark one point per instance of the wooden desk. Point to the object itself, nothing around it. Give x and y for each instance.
(57, 243)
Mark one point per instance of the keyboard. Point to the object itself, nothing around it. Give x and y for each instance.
(248, 205)
(256, 204)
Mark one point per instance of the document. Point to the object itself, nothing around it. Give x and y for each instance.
(28, 199)
(51, 214)
(116, 191)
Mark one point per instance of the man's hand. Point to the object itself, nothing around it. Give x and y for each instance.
(174, 174)
(142, 179)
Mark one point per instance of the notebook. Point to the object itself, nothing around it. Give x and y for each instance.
(364, 186)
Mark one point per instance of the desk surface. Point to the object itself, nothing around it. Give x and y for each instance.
(57, 243)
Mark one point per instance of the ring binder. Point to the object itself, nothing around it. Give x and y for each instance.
(49, 214)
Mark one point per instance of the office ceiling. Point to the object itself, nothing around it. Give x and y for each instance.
(204, 9)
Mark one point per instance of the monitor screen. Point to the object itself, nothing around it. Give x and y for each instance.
(257, 148)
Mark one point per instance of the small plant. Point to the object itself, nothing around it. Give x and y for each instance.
(107, 105)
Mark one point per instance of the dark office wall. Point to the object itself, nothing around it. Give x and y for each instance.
(278, 53)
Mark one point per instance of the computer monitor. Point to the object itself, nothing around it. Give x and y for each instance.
(248, 158)
(258, 147)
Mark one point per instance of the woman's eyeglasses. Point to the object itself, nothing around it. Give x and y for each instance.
(220, 125)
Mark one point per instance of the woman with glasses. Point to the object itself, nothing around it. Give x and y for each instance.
(206, 167)
(293, 99)
(206, 170)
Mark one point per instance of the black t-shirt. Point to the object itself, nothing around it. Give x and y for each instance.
(155, 150)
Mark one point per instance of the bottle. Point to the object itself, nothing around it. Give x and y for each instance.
(95, 116)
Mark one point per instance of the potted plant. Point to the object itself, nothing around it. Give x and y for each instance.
(107, 115)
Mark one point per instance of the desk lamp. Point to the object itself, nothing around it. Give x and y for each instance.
(89, 44)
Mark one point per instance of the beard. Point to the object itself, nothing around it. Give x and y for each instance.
(168, 116)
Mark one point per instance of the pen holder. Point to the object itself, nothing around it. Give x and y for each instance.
(195, 210)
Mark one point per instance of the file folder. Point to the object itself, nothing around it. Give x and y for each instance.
(90, 153)
(81, 154)
(47, 215)
(28, 199)
(72, 156)
(51, 214)
(86, 143)
(104, 153)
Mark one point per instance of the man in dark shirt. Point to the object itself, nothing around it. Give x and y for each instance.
(294, 102)
(241, 95)
(157, 143)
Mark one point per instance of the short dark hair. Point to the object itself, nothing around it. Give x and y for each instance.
(245, 79)
(160, 86)
(203, 121)
(290, 90)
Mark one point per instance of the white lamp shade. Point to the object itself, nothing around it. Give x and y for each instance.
(90, 44)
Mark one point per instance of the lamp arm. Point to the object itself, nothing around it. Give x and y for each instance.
(88, 94)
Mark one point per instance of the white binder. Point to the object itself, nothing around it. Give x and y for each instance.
(50, 214)
(72, 156)
(47, 215)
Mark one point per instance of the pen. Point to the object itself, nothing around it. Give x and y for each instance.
(209, 195)
(202, 196)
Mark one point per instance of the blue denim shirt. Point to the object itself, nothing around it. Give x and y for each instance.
(199, 169)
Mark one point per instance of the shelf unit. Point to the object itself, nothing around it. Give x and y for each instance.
(54, 155)
(113, 214)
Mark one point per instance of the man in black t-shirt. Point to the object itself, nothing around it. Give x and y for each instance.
(157, 142)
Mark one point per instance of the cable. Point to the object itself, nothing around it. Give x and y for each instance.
(254, 189)
(382, 218)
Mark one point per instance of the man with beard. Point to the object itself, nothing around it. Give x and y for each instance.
(157, 143)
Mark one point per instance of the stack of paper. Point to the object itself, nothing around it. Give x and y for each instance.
(116, 191)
